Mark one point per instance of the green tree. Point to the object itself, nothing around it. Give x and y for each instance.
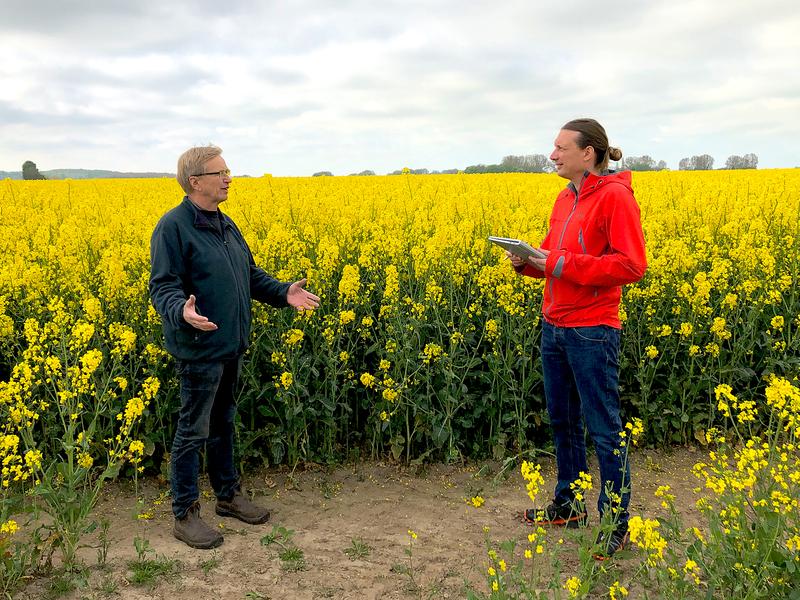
(29, 171)
(748, 161)
(643, 163)
(704, 162)
(528, 163)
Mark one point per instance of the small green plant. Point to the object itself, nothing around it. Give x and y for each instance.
(61, 585)
(147, 571)
(292, 558)
(279, 535)
(102, 548)
(330, 489)
(255, 596)
(409, 569)
(67, 580)
(143, 548)
(108, 587)
(210, 564)
(19, 555)
(399, 568)
(357, 549)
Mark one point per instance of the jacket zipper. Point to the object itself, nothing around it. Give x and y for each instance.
(561, 239)
(242, 339)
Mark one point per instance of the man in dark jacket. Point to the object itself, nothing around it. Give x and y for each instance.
(202, 279)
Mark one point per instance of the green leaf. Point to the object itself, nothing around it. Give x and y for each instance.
(112, 470)
(149, 447)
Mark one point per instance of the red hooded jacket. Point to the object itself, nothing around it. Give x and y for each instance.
(596, 246)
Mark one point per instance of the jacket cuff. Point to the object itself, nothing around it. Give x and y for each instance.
(181, 322)
(528, 270)
(555, 263)
(285, 293)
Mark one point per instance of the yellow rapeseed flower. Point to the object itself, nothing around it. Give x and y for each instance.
(10, 527)
(286, 380)
(617, 591)
(573, 586)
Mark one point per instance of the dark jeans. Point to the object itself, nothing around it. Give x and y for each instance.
(581, 383)
(206, 418)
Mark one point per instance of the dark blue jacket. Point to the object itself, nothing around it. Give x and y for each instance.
(189, 255)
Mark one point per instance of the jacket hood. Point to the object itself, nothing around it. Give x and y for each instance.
(592, 183)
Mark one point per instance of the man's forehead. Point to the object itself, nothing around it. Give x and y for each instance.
(217, 160)
(566, 136)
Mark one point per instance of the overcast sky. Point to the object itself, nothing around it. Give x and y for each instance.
(300, 86)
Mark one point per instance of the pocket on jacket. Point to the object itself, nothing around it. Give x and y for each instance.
(190, 337)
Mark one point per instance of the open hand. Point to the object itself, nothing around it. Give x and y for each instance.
(301, 298)
(194, 318)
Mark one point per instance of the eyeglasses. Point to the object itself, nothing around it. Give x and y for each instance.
(220, 174)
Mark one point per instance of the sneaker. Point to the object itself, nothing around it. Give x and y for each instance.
(194, 532)
(240, 507)
(609, 543)
(568, 515)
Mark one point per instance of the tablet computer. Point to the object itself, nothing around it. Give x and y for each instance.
(517, 247)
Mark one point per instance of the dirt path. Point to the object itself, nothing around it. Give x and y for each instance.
(372, 503)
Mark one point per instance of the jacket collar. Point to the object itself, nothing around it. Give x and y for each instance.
(200, 219)
(577, 190)
(591, 182)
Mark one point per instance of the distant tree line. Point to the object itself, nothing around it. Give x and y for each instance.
(539, 163)
(705, 162)
(31, 172)
(527, 163)
(642, 163)
(423, 172)
(748, 161)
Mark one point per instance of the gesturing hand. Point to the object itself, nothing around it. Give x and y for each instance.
(301, 298)
(194, 318)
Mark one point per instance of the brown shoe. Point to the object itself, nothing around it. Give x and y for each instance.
(240, 507)
(193, 531)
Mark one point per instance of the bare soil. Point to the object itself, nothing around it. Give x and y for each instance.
(374, 504)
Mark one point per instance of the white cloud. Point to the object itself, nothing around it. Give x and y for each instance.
(293, 88)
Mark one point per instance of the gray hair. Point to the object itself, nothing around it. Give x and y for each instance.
(193, 161)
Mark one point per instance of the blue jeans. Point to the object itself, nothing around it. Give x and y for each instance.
(581, 383)
(206, 418)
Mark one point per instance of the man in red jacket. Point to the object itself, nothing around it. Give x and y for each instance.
(594, 246)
